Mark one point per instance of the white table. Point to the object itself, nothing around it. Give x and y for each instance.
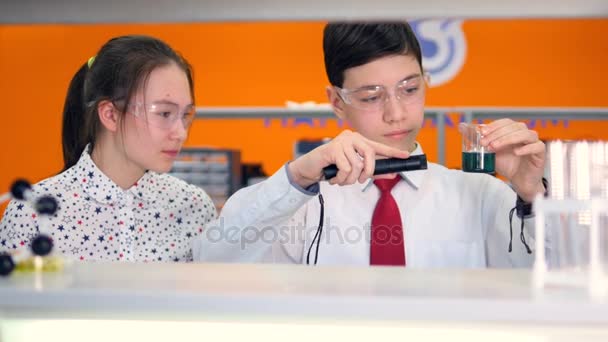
(105, 300)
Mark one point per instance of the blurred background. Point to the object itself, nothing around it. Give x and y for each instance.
(247, 70)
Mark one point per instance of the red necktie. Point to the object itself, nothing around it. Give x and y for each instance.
(387, 246)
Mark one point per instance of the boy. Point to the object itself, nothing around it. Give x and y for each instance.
(425, 218)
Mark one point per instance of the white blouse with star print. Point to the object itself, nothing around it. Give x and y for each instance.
(154, 220)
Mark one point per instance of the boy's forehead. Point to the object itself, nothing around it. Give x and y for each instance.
(384, 70)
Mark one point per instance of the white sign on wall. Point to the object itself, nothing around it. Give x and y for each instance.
(443, 46)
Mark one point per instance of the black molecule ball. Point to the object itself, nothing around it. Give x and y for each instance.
(46, 205)
(19, 187)
(7, 265)
(42, 245)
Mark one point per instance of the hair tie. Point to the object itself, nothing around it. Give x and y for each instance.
(90, 61)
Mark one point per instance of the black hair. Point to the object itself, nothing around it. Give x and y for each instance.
(351, 44)
(119, 68)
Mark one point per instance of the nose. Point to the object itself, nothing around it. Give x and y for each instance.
(393, 109)
(179, 131)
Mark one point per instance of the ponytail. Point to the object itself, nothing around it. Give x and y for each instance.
(73, 132)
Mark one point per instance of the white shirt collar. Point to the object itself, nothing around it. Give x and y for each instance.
(413, 178)
(101, 188)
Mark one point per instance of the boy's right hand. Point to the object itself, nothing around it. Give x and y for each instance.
(353, 154)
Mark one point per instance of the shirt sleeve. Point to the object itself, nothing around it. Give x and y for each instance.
(260, 223)
(18, 227)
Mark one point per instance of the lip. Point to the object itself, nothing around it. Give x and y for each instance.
(171, 153)
(397, 134)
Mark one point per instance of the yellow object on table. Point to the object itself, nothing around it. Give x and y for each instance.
(37, 263)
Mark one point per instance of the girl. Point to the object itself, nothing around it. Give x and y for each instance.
(126, 116)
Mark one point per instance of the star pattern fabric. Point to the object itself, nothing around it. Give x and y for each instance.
(156, 219)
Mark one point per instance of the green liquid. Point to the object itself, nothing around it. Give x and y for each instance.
(477, 162)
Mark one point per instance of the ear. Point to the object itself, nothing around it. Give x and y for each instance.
(336, 102)
(108, 115)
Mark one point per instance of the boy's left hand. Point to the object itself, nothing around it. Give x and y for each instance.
(520, 155)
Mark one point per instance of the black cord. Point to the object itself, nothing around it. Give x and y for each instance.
(523, 209)
(519, 210)
(317, 234)
(523, 238)
(511, 229)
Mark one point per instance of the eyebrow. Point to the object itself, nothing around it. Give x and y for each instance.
(410, 77)
(407, 78)
(171, 103)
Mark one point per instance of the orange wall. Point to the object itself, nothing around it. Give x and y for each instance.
(509, 63)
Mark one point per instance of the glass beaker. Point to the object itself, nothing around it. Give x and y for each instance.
(475, 157)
